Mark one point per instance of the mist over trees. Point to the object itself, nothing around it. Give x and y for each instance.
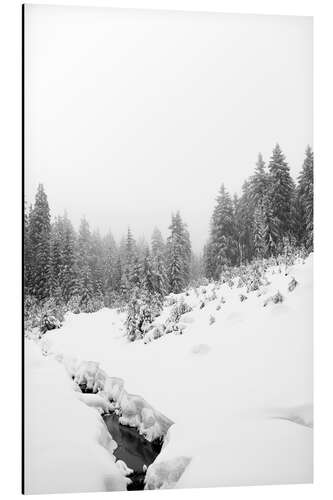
(86, 271)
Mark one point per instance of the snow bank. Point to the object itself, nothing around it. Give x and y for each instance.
(132, 409)
(239, 389)
(67, 445)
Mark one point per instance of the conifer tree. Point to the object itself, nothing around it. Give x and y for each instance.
(222, 244)
(56, 259)
(281, 191)
(305, 198)
(135, 272)
(128, 257)
(39, 230)
(159, 266)
(27, 252)
(259, 231)
(271, 228)
(84, 254)
(147, 276)
(259, 183)
(157, 243)
(178, 255)
(110, 261)
(69, 279)
(96, 262)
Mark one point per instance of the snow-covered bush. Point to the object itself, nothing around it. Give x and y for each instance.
(74, 304)
(142, 309)
(178, 310)
(240, 283)
(49, 322)
(292, 285)
(211, 319)
(218, 307)
(242, 297)
(211, 297)
(254, 284)
(275, 299)
(91, 304)
(154, 333)
(44, 315)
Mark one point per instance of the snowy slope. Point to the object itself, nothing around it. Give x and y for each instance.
(239, 391)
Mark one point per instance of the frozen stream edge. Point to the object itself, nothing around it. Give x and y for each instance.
(107, 394)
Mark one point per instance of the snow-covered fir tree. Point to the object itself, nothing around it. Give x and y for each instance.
(159, 263)
(39, 234)
(259, 231)
(244, 213)
(281, 189)
(147, 275)
(259, 182)
(305, 199)
(69, 277)
(222, 245)
(178, 255)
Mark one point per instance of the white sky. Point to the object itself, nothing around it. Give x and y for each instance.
(131, 115)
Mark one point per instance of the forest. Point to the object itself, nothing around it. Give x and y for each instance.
(82, 271)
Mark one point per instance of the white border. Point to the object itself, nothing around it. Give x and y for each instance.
(10, 164)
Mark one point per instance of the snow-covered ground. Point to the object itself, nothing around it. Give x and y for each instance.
(233, 397)
(67, 446)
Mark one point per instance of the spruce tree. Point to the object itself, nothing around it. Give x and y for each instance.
(259, 183)
(271, 227)
(222, 244)
(40, 231)
(129, 251)
(135, 272)
(157, 243)
(305, 198)
(259, 231)
(147, 276)
(86, 287)
(159, 265)
(178, 255)
(57, 259)
(281, 189)
(69, 279)
(110, 260)
(28, 284)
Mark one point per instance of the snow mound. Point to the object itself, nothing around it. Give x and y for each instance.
(165, 474)
(200, 349)
(133, 410)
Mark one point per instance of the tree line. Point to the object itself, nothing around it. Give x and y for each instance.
(272, 213)
(87, 271)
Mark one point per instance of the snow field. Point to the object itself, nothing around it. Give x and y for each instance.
(239, 390)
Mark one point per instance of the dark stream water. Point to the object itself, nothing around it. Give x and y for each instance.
(132, 447)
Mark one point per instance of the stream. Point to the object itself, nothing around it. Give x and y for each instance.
(132, 448)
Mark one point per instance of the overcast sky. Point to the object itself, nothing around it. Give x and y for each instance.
(132, 115)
